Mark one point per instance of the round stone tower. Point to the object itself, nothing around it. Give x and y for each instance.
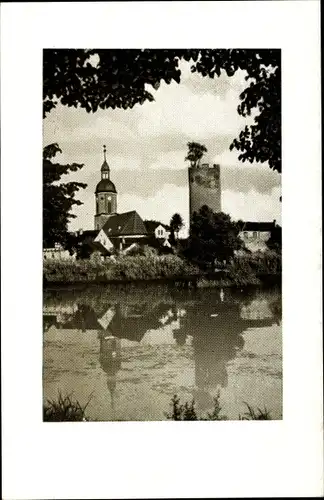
(106, 196)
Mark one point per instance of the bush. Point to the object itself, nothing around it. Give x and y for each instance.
(64, 410)
(67, 410)
(187, 411)
(127, 267)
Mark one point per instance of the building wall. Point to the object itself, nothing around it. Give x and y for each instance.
(106, 205)
(204, 188)
(57, 254)
(100, 220)
(104, 240)
(161, 232)
(255, 240)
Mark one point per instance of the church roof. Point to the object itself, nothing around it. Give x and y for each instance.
(126, 224)
(105, 167)
(106, 185)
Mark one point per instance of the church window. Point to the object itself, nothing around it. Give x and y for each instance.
(109, 206)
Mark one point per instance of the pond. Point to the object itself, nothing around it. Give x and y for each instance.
(131, 348)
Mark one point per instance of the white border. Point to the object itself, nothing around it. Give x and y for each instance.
(141, 460)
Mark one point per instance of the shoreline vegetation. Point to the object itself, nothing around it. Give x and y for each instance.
(66, 409)
(246, 270)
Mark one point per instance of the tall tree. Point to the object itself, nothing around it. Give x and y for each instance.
(58, 199)
(212, 236)
(114, 78)
(176, 223)
(275, 240)
(195, 153)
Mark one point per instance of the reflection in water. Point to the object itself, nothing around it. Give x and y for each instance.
(211, 323)
(110, 360)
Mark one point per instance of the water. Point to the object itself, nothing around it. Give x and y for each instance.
(133, 348)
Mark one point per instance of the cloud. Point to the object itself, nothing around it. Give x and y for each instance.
(146, 147)
(169, 199)
(219, 85)
(198, 115)
(253, 206)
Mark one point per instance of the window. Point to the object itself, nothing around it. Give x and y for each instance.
(246, 234)
(109, 206)
(255, 234)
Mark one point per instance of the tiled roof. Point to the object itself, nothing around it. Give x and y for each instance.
(96, 245)
(258, 226)
(151, 225)
(126, 224)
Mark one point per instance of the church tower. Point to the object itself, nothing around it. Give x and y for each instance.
(106, 196)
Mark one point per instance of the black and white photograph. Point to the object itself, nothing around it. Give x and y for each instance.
(162, 246)
(161, 251)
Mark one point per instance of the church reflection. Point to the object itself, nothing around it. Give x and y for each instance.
(110, 360)
(212, 324)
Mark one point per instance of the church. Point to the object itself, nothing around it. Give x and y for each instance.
(114, 231)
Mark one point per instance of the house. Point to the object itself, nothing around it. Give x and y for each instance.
(256, 234)
(121, 231)
(57, 253)
(158, 234)
(157, 229)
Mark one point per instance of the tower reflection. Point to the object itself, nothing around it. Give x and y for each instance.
(216, 328)
(110, 360)
(209, 324)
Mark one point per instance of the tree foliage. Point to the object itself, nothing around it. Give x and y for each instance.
(275, 241)
(118, 79)
(176, 223)
(212, 236)
(195, 153)
(58, 198)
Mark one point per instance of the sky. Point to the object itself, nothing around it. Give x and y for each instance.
(146, 147)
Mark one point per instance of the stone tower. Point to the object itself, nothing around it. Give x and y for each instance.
(106, 196)
(204, 188)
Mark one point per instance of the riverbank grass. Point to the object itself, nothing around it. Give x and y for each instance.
(66, 409)
(240, 271)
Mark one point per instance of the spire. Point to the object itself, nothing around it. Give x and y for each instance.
(105, 170)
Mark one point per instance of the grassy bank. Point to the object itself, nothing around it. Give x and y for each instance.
(65, 409)
(126, 268)
(240, 271)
